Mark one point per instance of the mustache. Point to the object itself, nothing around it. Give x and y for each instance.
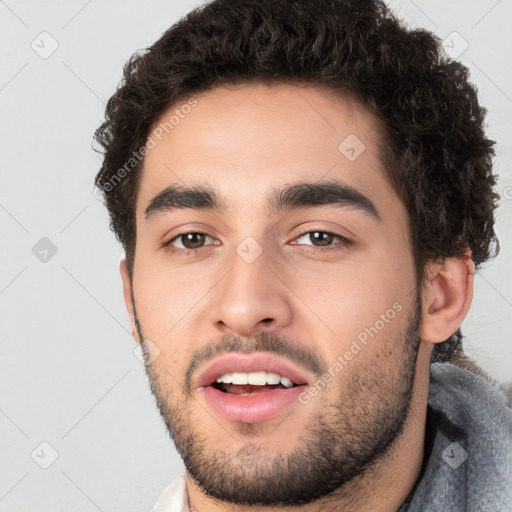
(265, 341)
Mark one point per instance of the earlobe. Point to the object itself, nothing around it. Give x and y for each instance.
(446, 297)
(128, 297)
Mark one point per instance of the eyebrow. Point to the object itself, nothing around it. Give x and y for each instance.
(286, 197)
(198, 197)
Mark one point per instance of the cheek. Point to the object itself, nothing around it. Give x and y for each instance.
(351, 298)
(163, 307)
(164, 297)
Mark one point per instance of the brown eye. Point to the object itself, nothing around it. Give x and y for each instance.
(319, 238)
(193, 240)
(189, 241)
(318, 241)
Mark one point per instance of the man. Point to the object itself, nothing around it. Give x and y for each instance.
(303, 190)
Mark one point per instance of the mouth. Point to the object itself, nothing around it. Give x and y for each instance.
(251, 388)
(250, 403)
(251, 383)
(232, 371)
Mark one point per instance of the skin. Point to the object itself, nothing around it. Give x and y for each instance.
(243, 141)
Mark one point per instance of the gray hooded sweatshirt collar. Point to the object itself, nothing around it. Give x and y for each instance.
(467, 465)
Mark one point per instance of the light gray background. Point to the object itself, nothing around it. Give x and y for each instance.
(68, 373)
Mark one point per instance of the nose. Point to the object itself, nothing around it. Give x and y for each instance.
(252, 297)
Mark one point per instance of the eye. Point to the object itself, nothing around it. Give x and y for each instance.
(194, 241)
(320, 238)
(191, 241)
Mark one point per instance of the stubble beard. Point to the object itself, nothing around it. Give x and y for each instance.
(356, 425)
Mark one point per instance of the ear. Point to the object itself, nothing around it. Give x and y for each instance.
(446, 297)
(128, 297)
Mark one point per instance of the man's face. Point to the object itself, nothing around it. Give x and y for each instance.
(323, 285)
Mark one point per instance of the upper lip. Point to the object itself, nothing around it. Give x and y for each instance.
(239, 363)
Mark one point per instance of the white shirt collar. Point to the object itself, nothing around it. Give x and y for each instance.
(174, 498)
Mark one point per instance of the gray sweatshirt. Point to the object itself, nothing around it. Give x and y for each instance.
(467, 466)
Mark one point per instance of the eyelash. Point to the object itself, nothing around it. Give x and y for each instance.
(344, 242)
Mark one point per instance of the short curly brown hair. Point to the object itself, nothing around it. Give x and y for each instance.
(437, 155)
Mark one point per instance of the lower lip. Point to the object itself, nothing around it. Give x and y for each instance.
(261, 406)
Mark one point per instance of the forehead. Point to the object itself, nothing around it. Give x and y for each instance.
(244, 140)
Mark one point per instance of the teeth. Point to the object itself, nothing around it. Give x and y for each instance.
(239, 378)
(286, 382)
(273, 378)
(226, 378)
(255, 378)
